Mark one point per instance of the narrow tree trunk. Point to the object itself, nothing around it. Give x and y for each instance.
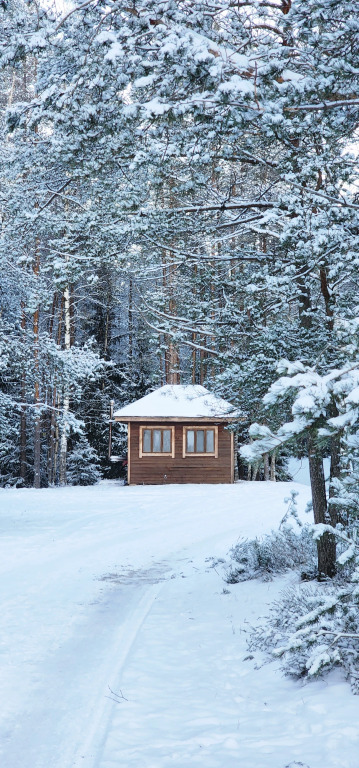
(194, 335)
(112, 402)
(107, 328)
(71, 315)
(52, 434)
(173, 364)
(52, 316)
(56, 445)
(23, 464)
(66, 400)
(272, 468)
(266, 466)
(326, 544)
(130, 320)
(37, 430)
(37, 451)
(334, 511)
(201, 364)
(63, 442)
(52, 400)
(194, 359)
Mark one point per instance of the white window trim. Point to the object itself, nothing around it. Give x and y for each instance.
(171, 454)
(213, 454)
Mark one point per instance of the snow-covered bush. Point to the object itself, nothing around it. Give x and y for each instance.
(274, 553)
(83, 464)
(313, 629)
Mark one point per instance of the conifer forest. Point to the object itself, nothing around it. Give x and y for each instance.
(180, 204)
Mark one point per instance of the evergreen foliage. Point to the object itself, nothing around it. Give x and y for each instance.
(180, 186)
(313, 630)
(271, 555)
(83, 464)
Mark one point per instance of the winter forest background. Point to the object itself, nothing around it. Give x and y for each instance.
(179, 203)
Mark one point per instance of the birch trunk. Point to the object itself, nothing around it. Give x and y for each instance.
(23, 465)
(52, 395)
(37, 429)
(66, 401)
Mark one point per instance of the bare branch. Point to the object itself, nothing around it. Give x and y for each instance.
(171, 333)
(323, 105)
(53, 195)
(74, 10)
(204, 208)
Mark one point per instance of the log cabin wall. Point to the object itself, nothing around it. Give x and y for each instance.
(161, 470)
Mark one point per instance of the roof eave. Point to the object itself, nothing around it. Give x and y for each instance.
(189, 419)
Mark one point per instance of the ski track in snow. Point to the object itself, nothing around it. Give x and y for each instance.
(119, 647)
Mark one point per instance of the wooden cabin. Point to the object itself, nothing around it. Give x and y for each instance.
(178, 434)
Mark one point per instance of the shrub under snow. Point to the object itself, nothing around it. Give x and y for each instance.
(313, 629)
(273, 554)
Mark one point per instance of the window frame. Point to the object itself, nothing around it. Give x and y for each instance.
(152, 427)
(199, 427)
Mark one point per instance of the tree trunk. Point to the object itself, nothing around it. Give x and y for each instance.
(66, 400)
(194, 360)
(201, 363)
(326, 544)
(52, 435)
(52, 395)
(266, 466)
(334, 512)
(37, 452)
(272, 468)
(56, 445)
(37, 430)
(23, 465)
(130, 321)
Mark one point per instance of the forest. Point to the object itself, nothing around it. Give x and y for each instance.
(180, 204)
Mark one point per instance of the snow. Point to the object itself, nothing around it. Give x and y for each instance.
(119, 645)
(179, 401)
(299, 470)
(294, 77)
(114, 52)
(235, 84)
(37, 40)
(142, 82)
(106, 36)
(156, 107)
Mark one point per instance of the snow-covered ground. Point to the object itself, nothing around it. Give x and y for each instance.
(119, 646)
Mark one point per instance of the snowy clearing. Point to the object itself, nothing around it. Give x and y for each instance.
(120, 648)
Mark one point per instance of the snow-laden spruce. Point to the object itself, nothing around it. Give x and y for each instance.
(183, 180)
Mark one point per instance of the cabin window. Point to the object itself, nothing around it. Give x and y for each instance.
(156, 441)
(201, 441)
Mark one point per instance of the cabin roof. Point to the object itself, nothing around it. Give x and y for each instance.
(179, 401)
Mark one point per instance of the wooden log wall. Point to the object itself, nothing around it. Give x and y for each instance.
(162, 470)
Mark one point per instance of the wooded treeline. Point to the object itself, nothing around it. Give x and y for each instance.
(179, 203)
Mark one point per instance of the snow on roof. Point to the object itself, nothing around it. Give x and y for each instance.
(179, 401)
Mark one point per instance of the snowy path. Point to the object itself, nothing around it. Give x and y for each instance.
(109, 589)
